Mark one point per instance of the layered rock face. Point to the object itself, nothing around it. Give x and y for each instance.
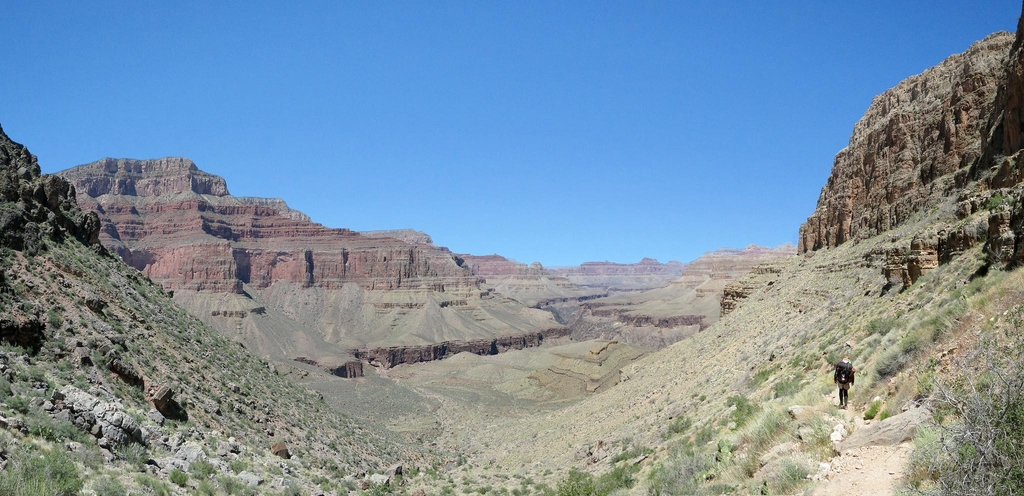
(265, 274)
(532, 284)
(913, 146)
(179, 226)
(950, 138)
(691, 303)
(646, 274)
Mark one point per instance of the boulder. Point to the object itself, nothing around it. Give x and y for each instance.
(280, 449)
(892, 431)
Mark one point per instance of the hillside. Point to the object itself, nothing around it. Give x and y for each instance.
(115, 386)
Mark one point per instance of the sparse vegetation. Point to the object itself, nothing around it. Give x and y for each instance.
(40, 473)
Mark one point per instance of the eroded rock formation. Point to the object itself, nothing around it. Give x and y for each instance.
(179, 225)
(912, 144)
(396, 355)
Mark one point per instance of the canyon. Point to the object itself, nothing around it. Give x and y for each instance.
(297, 291)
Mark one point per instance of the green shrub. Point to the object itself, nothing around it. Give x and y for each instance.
(873, 409)
(760, 376)
(233, 486)
(789, 475)
(786, 387)
(53, 319)
(765, 430)
(577, 484)
(49, 473)
(984, 443)
(682, 473)
(679, 426)
(109, 486)
(926, 459)
(202, 469)
(995, 201)
(18, 403)
(158, 488)
(178, 477)
(744, 409)
(881, 325)
(890, 362)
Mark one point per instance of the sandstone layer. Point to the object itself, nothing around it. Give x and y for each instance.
(267, 275)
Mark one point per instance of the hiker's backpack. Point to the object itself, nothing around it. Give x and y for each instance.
(844, 372)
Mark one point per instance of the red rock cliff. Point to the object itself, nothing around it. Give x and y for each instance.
(915, 144)
(178, 225)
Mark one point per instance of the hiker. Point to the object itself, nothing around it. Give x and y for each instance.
(844, 379)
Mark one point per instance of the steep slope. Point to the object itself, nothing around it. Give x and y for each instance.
(266, 275)
(104, 376)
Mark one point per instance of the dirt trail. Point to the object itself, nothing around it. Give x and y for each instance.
(872, 470)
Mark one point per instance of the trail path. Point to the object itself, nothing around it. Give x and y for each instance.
(870, 470)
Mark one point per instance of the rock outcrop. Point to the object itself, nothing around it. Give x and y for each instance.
(396, 355)
(179, 225)
(948, 139)
(36, 208)
(268, 276)
(915, 144)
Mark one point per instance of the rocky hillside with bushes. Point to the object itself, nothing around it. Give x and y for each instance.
(108, 387)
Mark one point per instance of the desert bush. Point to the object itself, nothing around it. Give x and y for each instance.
(109, 486)
(681, 473)
(233, 486)
(789, 475)
(925, 460)
(202, 469)
(18, 403)
(49, 473)
(983, 452)
(158, 488)
(744, 409)
(53, 319)
(679, 426)
(178, 477)
(881, 325)
(767, 426)
(873, 409)
(760, 376)
(786, 387)
(891, 361)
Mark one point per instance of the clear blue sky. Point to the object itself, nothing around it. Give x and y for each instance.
(558, 132)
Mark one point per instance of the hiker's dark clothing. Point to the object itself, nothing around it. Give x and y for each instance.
(844, 378)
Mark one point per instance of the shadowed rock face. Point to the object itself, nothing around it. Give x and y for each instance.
(37, 207)
(398, 355)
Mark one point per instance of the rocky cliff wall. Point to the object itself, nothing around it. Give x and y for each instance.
(178, 225)
(906, 151)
